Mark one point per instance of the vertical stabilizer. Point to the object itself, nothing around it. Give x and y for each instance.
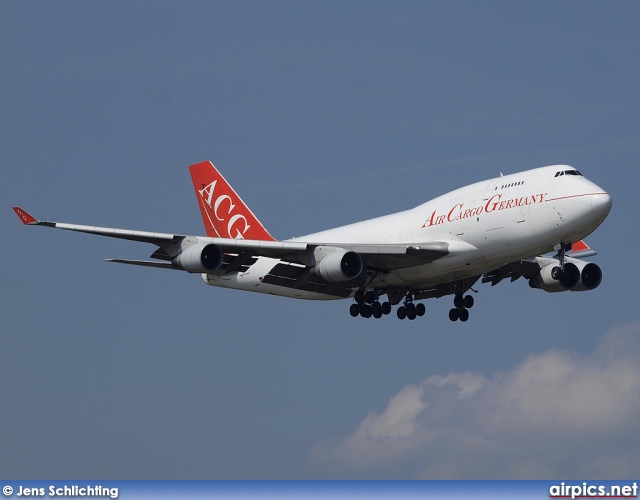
(224, 213)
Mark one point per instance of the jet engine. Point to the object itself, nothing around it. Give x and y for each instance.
(590, 277)
(342, 265)
(577, 276)
(199, 258)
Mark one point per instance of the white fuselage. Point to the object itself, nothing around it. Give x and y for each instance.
(486, 224)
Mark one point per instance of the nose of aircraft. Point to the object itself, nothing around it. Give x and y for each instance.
(601, 203)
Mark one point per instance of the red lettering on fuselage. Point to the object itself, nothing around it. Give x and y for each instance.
(493, 204)
(450, 217)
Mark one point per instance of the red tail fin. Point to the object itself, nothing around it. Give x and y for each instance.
(224, 213)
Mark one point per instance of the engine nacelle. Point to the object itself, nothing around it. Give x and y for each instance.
(590, 277)
(578, 276)
(199, 258)
(339, 266)
(551, 279)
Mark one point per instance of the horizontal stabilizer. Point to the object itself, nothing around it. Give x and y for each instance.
(145, 263)
(580, 250)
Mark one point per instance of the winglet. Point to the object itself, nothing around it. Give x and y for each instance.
(24, 216)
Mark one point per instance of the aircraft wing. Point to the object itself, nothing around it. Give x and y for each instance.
(388, 257)
(512, 271)
(125, 234)
(240, 254)
(168, 243)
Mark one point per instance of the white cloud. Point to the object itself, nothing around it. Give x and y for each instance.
(555, 415)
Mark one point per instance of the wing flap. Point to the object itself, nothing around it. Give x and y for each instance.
(450, 288)
(389, 257)
(296, 276)
(512, 271)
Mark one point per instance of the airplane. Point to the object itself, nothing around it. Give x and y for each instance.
(503, 228)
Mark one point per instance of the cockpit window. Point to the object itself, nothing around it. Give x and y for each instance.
(568, 172)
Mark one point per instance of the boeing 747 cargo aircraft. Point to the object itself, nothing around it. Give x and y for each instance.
(490, 231)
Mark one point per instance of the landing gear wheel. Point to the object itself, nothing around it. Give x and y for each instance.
(556, 273)
(354, 310)
(365, 311)
(454, 314)
(458, 301)
(359, 297)
(468, 302)
(369, 296)
(461, 304)
(376, 309)
(402, 312)
(411, 311)
(386, 308)
(420, 309)
(463, 315)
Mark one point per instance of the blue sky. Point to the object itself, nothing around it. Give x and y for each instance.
(319, 114)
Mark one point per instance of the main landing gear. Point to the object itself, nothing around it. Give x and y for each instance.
(410, 310)
(461, 305)
(367, 305)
